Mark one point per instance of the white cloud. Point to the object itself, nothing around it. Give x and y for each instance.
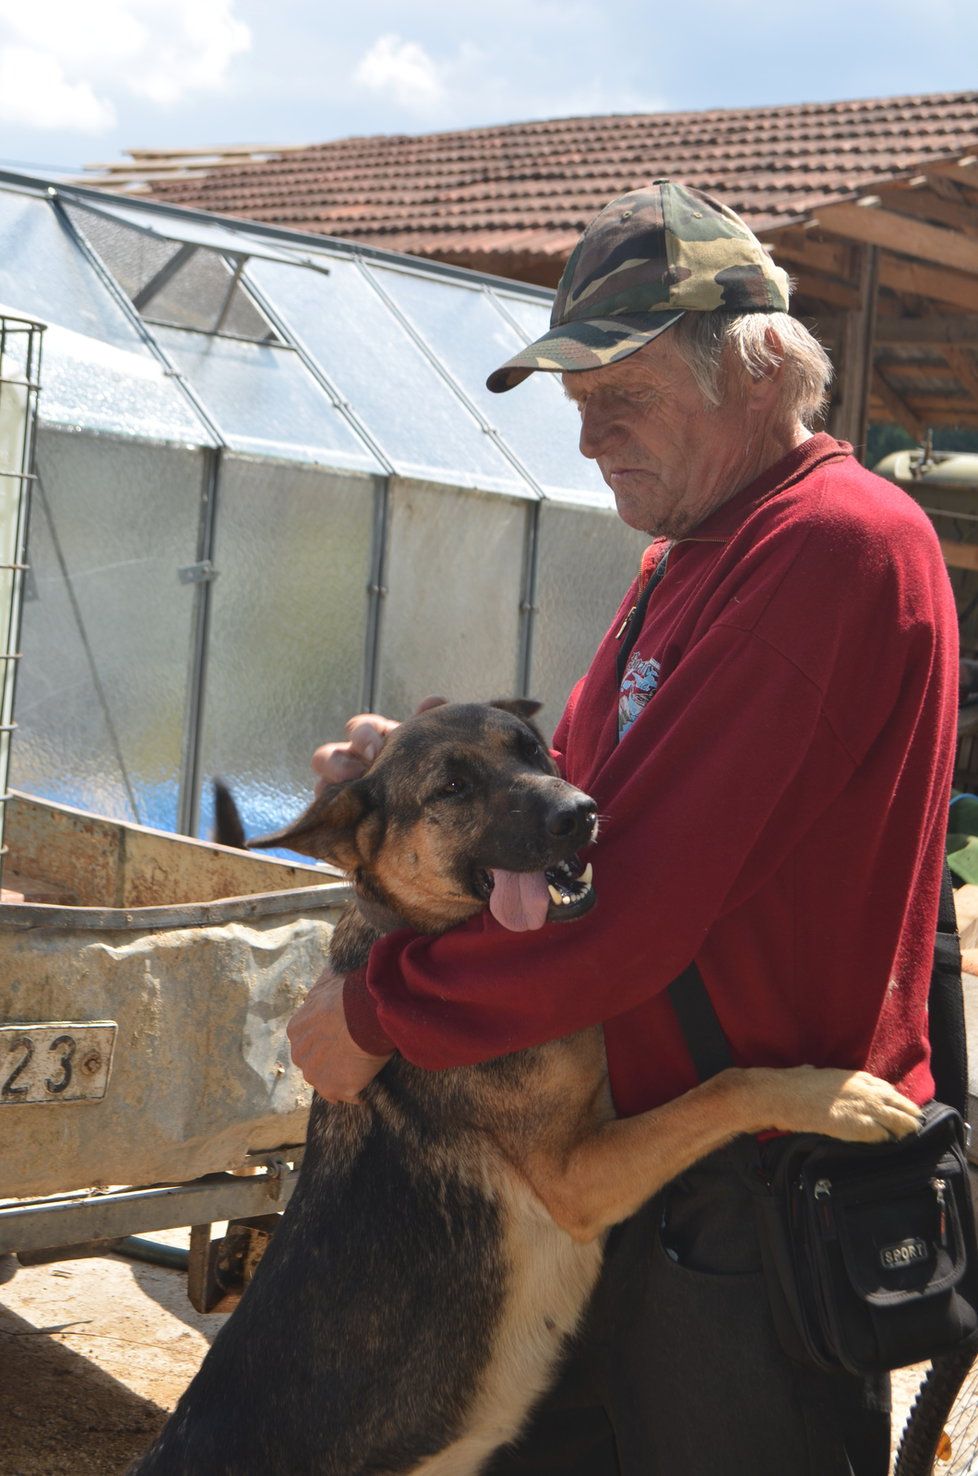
(404, 71)
(34, 90)
(67, 65)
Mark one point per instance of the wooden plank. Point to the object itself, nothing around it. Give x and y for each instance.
(933, 329)
(917, 279)
(964, 366)
(963, 171)
(896, 406)
(822, 256)
(816, 288)
(960, 555)
(933, 415)
(849, 417)
(928, 205)
(892, 232)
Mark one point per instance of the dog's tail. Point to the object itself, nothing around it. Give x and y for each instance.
(228, 829)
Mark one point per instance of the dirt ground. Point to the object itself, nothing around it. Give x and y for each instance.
(95, 1353)
(93, 1356)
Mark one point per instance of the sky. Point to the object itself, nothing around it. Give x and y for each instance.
(81, 81)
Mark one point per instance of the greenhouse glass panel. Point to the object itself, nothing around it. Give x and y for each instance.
(204, 294)
(106, 636)
(585, 562)
(288, 621)
(195, 228)
(94, 385)
(265, 400)
(467, 332)
(415, 417)
(532, 316)
(42, 271)
(451, 619)
(170, 281)
(133, 257)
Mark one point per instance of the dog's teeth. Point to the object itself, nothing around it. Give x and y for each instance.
(586, 875)
(557, 896)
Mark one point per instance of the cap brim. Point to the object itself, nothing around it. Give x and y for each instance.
(589, 344)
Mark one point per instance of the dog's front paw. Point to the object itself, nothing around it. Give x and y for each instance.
(864, 1109)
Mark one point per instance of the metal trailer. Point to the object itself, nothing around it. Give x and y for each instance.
(145, 1078)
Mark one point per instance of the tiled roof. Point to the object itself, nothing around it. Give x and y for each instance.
(514, 198)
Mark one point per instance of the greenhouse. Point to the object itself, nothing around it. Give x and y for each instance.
(272, 490)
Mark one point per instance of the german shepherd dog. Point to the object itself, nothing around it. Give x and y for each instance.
(445, 1234)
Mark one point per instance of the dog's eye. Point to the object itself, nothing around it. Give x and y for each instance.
(451, 789)
(532, 751)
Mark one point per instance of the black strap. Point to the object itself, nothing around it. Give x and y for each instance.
(710, 1048)
(948, 1037)
(636, 615)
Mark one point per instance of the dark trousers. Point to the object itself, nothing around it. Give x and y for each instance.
(678, 1366)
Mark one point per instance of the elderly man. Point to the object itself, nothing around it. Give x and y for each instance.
(768, 731)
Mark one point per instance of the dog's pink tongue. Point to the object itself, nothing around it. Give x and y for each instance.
(519, 899)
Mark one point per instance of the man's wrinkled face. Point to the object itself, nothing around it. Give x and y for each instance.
(669, 456)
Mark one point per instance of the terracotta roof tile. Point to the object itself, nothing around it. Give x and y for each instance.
(528, 189)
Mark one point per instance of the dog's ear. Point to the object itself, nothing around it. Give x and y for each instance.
(521, 707)
(525, 709)
(328, 829)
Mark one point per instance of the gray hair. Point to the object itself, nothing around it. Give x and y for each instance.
(709, 343)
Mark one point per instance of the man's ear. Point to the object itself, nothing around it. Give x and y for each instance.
(328, 829)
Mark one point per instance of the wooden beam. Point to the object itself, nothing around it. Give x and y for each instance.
(951, 411)
(816, 288)
(876, 227)
(964, 366)
(850, 414)
(931, 206)
(822, 256)
(915, 279)
(937, 329)
(946, 417)
(961, 171)
(946, 188)
(959, 555)
(896, 406)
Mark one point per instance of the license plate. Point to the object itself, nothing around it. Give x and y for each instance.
(57, 1061)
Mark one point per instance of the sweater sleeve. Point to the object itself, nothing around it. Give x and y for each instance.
(681, 840)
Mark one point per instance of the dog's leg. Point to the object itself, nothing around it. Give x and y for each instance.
(607, 1173)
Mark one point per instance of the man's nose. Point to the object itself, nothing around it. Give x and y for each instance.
(595, 427)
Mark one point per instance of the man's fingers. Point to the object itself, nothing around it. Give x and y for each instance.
(322, 1047)
(334, 763)
(340, 763)
(367, 737)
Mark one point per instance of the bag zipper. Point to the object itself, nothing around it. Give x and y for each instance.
(822, 1191)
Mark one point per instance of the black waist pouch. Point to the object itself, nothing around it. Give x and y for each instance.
(869, 1250)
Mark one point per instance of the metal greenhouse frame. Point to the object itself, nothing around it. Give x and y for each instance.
(272, 489)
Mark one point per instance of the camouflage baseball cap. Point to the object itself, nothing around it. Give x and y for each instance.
(647, 258)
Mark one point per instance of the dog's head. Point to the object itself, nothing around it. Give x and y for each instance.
(462, 808)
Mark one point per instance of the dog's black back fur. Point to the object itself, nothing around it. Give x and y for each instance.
(336, 1292)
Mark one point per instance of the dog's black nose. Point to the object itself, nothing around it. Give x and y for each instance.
(574, 816)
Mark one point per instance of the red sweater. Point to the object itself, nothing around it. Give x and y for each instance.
(776, 809)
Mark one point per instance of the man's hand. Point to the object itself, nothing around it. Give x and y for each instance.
(322, 1047)
(337, 763)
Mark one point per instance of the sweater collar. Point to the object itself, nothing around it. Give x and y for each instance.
(798, 463)
(727, 518)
